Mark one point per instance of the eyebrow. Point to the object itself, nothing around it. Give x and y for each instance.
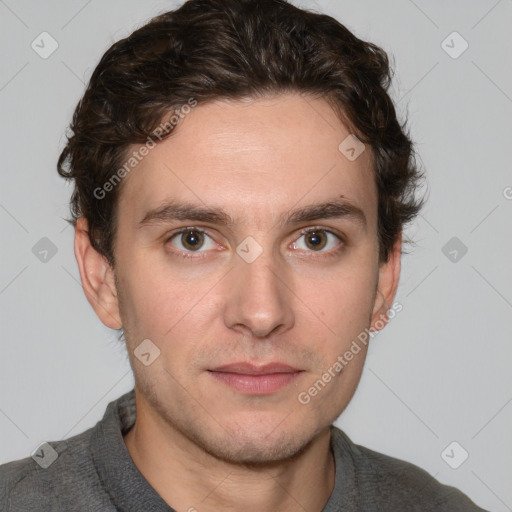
(173, 211)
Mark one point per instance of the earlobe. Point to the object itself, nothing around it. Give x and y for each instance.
(97, 278)
(389, 275)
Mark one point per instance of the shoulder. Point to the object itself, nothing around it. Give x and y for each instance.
(54, 479)
(399, 485)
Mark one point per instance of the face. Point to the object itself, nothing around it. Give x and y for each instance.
(223, 256)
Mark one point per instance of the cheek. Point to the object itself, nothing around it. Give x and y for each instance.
(343, 301)
(175, 313)
(150, 302)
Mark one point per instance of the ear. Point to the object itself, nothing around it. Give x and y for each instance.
(97, 278)
(389, 275)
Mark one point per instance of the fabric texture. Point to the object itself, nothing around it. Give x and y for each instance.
(93, 471)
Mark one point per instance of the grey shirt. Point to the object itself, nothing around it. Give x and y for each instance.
(93, 471)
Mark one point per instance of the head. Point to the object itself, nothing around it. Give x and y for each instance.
(241, 187)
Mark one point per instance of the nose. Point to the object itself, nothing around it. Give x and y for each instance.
(258, 300)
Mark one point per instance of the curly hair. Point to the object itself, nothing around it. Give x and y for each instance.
(234, 49)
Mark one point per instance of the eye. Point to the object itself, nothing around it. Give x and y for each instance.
(191, 240)
(317, 240)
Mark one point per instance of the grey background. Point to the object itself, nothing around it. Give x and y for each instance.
(440, 372)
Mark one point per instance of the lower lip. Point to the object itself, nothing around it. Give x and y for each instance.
(256, 384)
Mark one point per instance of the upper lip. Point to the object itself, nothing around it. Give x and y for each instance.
(251, 369)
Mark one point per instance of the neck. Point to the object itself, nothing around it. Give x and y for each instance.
(188, 478)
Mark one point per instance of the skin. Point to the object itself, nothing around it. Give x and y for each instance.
(198, 442)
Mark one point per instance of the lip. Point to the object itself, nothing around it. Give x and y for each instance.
(251, 369)
(250, 379)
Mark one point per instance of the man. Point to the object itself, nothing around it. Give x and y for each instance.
(241, 186)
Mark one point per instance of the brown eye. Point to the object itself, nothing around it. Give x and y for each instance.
(192, 240)
(316, 240)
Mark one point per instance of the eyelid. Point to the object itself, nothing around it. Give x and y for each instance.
(321, 228)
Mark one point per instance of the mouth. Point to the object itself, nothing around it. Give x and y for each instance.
(256, 380)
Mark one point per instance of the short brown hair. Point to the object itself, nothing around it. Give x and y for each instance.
(233, 49)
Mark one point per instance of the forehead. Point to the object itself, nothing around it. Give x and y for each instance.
(255, 159)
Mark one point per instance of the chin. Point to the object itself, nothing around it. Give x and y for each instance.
(254, 446)
(258, 452)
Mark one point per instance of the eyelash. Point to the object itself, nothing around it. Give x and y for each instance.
(197, 255)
